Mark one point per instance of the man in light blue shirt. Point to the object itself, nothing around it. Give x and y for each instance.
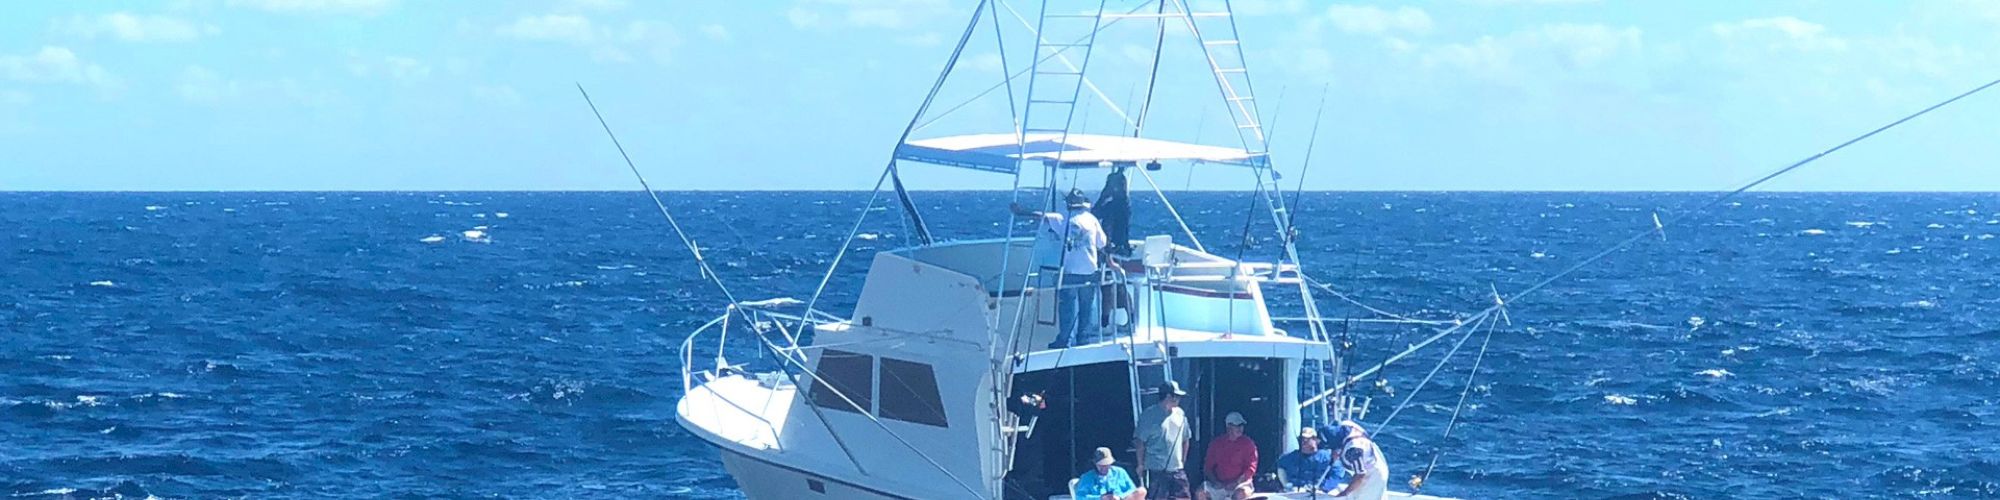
(1107, 482)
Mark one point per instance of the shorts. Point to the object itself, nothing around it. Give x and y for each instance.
(1167, 484)
(1220, 491)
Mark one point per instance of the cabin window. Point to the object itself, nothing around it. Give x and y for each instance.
(910, 393)
(850, 374)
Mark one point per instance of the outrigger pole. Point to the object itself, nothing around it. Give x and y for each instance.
(1636, 237)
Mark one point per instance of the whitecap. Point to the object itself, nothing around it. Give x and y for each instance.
(476, 236)
(1935, 225)
(1894, 251)
(1538, 254)
(1696, 322)
(479, 215)
(229, 210)
(1813, 232)
(1921, 304)
(1714, 373)
(108, 430)
(867, 236)
(501, 215)
(432, 239)
(1620, 400)
(154, 208)
(1862, 224)
(87, 400)
(1986, 236)
(104, 283)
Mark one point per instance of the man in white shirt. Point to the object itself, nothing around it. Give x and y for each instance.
(1083, 240)
(1363, 460)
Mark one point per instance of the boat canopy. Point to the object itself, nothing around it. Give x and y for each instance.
(1002, 152)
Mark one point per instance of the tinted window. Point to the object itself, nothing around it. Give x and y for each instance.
(848, 373)
(910, 393)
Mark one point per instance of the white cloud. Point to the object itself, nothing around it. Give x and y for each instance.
(604, 43)
(1504, 3)
(133, 28)
(1372, 20)
(604, 5)
(1268, 7)
(715, 32)
(54, 64)
(360, 7)
(1536, 51)
(1784, 31)
(552, 27)
(884, 14)
(199, 84)
(497, 94)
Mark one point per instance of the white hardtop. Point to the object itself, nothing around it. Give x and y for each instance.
(1004, 152)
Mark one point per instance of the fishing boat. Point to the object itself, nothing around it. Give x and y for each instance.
(913, 395)
(908, 395)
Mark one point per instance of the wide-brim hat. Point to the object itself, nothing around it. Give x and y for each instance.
(1076, 198)
(1104, 457)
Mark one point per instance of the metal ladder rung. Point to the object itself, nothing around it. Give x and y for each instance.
(1221, 42)
(1075, 16)
(1232, 70)
(1046, 101)
(1060, 73)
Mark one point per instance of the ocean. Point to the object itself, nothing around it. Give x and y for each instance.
(370, 345)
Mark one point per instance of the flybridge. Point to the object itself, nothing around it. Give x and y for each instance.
(1003, 153)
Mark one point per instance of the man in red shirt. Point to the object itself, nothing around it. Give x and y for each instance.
(1230, 464)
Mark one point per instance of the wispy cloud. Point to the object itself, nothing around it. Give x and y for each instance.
(605, 43)
(131, 27)
(552, 27)
(53, 64)
(1372, 20)
(1786, 31)
(885, 14)
(360, 7)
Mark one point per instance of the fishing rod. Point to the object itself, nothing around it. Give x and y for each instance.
(693, 249)
(1650, 230)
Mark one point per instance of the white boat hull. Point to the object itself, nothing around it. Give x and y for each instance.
(761, 480)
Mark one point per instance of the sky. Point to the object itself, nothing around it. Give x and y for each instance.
(812, 94)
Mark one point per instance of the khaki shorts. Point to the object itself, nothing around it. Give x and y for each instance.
(1220, 491)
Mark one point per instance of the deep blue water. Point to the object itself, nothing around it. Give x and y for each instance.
(315, 345)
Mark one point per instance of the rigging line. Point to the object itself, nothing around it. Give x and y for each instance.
(1008, 82)
(1698, 210)
(734, 305)
(819, 383)
(1249, 217)
(1462, 396)
(1170, 209)
(890, 170)
(1072, 66)
(903, 195)
(1292, 211)
(1159, 46)
(1351, 300)
(1383, 428)
(699, 261)
(1363, 374)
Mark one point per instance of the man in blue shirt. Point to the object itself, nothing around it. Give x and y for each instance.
(1310, 468)
(1107, 482)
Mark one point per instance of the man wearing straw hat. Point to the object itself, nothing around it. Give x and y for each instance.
(1107, 482)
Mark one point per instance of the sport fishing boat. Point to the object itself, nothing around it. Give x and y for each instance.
(908, 396)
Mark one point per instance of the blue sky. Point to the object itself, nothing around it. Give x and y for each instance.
(810, 94)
